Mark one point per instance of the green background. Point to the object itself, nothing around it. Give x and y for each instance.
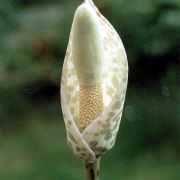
(33, 41)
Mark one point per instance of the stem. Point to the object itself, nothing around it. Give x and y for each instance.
(92, 170)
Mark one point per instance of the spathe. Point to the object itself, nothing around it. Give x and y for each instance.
(100, 135)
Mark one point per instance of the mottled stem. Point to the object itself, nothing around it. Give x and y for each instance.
(92, 170)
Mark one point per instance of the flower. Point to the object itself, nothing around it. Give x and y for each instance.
(111, 75)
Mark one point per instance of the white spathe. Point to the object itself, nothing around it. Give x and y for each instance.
(100, 135)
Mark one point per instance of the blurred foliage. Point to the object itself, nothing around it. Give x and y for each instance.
(33, 40)
(152, 27)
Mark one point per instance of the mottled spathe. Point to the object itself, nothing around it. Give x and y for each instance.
(99, 136)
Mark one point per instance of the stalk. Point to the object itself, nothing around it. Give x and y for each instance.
(92, 170)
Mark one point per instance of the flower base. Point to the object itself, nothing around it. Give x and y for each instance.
(92, 170)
